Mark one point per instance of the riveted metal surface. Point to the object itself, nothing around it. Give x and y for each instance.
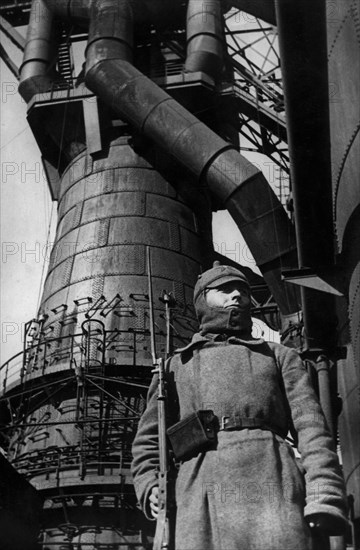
(150, 182)
(103, 232)
(168, 209)
(64, 273)
(56, 324)
(174, 237)
(344, 90)
(106, 220)
(354, 312)
(109, 181)
(178, 290)
(116, 204)
(190, 242)
(115, 260)
(74, 242)
(139, 318)
(70, 220)
(66, 295)
(343, 18)
(134, 230)
(97, 287)
(76, 171)
(121, 154)
(347, 197)
(123, 179)
(81, 190)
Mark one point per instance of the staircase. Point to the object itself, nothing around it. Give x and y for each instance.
(65, 63)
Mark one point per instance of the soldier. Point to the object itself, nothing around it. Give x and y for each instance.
(245, 490)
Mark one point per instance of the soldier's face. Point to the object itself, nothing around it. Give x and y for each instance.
(231, 294)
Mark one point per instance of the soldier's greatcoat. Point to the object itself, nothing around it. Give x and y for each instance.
(250, 493)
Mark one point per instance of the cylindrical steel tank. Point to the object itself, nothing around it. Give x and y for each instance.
(89, 371)
(109, 210)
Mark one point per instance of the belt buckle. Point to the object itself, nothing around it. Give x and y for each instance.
(223, 422)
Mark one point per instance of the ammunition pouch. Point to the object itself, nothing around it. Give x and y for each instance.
(193, 434)
(197, 432)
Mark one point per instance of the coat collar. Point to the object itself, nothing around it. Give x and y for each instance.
(200, 339)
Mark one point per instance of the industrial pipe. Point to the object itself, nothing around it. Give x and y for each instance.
(303, 49)
(74, 10)
(323, 374)
(35, 70)
(204, 37)
(303, 52)
(110, 32)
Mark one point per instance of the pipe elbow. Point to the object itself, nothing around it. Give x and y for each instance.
(70, 9)
(238, 185)
(34, 85)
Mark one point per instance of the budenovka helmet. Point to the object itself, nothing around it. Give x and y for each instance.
(218, 320)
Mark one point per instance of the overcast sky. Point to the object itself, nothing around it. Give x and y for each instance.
(25, 214)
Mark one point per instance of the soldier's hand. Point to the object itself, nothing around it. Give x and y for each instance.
(154, 501)
(331, 525)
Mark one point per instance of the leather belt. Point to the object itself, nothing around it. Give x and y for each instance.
(228, 423)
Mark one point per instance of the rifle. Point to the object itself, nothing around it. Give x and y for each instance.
(162, 533)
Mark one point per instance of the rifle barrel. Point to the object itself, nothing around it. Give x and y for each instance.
(151, 307)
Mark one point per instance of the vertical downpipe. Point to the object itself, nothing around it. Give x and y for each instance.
(35, 70)
(204, 34)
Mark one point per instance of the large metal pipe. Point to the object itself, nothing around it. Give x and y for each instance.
(322, 367)
(303, 52)
(302, 41)
(204, 37)
(110, 32)
(35, 70)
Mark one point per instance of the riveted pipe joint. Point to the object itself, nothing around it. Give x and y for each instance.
(204, 33)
